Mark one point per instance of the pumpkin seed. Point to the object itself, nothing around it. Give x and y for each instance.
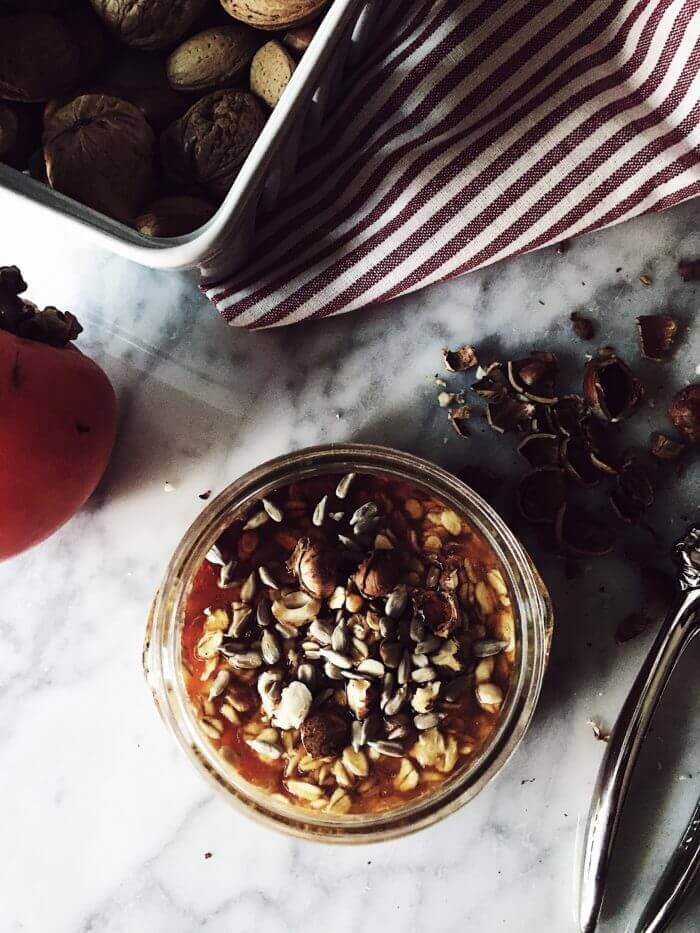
(266, 577)
(343, 487)
(272, 510)
(246, 660)
(256, 520)
(270, 648)
(319, 515)
(390, 749)
(219, 684)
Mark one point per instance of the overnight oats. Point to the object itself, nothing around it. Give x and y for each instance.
(349, 643)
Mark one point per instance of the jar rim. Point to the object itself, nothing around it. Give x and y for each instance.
(532, 613)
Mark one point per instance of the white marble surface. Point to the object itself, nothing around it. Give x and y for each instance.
(103, 825)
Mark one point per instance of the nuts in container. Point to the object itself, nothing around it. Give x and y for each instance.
(349, 643)
(142, 110)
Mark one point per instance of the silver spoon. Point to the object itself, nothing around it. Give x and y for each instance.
(682, 623)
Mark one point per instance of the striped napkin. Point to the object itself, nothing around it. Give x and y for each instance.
(476, 131)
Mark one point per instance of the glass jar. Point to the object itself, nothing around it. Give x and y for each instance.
(533, 627)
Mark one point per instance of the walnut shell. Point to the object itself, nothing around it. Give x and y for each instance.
(38, 57)
(211, 59)
(148, 24)
(173, 216)
(273, 14)
(209, 143)
(99, 150)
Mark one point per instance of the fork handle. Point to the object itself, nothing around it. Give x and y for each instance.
(623, 749)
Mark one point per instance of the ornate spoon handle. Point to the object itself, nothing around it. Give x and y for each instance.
(679, 627)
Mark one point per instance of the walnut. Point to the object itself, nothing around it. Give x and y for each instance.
(324, 734)
(148, 24)
(378, 574)
(173, 216)
(314, 567)
(273, 14)
(38, 57)
(210, 142)
(100, 151)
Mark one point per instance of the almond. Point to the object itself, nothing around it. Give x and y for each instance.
(211, 59)
(270, 72)
(273, 14)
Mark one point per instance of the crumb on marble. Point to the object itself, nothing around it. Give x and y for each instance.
(207, 855)
(204, 495)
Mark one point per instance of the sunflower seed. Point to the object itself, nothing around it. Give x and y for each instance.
(387, 690)
(264, 614)
(214, 556)
(432, 576)
(306, 673)
(350, 544)
(267, 578)
(321, 631)
(320, 512)
(246, 660)
(417, 630)
(343, 487)
(220, 684)
(398, 733)
(423, 675)
(367, 510)
(211, 727)
(387, 627)
(360, 649)
(489, 694)
(270, 648)
(272, 510)
(340, 639)
(456, 688)
(335, 657)
(249, 587)
(403, 673)
(256, 520)
(420, 660)
(311, 651)
(356, 733)
(226, 575)
(390, 749)
(428, 645)
(365, 526)
(267, 749)
(332, 672)
(397, 701)
(371, 667)
(303, 790)
(353, 675)
(390, 653)
(488, 647)
(337, 516)
(240, 620)
(396, 602)
(286, 631)
(425, 721)
(371, 728)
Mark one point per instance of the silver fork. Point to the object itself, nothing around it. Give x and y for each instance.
(682, 623)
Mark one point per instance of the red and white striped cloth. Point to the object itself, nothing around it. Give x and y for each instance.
(477, 131)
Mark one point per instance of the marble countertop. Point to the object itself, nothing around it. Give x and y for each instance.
(104, 825)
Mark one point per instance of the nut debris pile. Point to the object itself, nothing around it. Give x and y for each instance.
(349, 643)
(573, 443)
